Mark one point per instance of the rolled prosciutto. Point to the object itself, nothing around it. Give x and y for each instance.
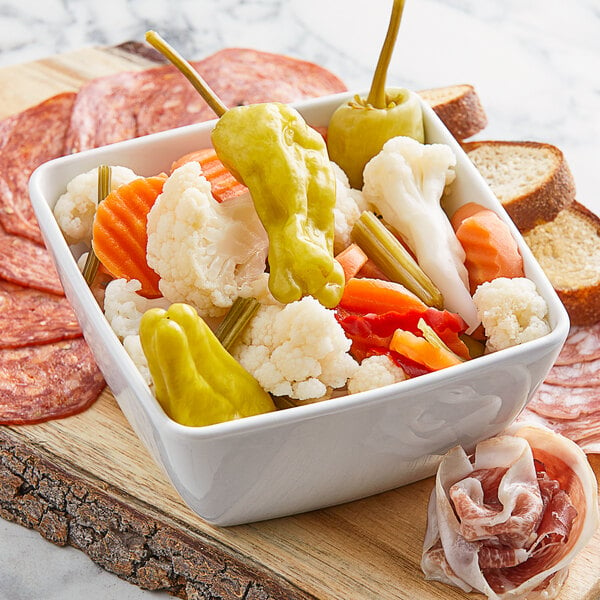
(508, 520)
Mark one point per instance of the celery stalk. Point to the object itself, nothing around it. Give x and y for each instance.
(380, 245)
(235, 321)
(91, 263)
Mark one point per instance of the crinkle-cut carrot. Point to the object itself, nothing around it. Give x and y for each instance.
(119, 233)
(223, 184)
(352, 260)
(420, 350)
(490, 249)
(364, 295)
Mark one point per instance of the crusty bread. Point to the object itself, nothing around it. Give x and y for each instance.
(532, 180)
(568, 250)
(459, 108)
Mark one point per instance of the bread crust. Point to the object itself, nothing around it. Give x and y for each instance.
(542, 202)
(459, 108)
(582, 302)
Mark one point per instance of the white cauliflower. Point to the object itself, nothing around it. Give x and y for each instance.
(123, 308)
(349, 204)
(75, 209)
(404, 183)
(374, 372)
(511, 311)
(203, 251)
(297, 350)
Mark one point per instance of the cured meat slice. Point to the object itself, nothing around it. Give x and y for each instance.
(582, 344)
(47, 381)
(27, 140)
(27, 263)
(508, 521)
(559, 402)
(579, 374)
(28, 316)
(128, 105)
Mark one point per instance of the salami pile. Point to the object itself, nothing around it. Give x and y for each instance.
(568, 401)
(46, 369)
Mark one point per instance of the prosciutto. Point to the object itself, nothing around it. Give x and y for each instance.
(508, 520)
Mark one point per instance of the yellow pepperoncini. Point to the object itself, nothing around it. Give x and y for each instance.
(197, 382)
(285, 165)
(358, 129)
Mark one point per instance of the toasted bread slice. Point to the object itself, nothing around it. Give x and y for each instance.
(459, 108)
(532, 180)
(568, 250)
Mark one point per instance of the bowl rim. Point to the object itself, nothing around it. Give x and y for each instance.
(63, 256)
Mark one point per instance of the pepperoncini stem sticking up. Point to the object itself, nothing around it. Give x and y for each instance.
(197, 382)
(358, 129)
(377, 95)
(186, 69)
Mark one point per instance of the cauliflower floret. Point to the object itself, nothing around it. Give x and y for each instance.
(203, 251)
(405, 183)
(133, 347)
(296, 350)
(512, 312)
(124, 307)
(349, 204)
(75, 209)
(375, 371)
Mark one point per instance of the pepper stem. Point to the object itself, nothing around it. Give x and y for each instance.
(190, 73)
(376, 95)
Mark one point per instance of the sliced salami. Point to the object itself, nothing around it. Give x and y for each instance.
(27, 140)
(26, 263)
(559, 402)
(28, 316)
(582, 344)
(581, 374)
(128, 105)
(47, 381)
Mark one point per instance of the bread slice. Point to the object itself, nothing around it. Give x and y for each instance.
(459, 108)
(568, 250)
(532, 180)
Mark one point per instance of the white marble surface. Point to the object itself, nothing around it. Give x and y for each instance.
(535, 64)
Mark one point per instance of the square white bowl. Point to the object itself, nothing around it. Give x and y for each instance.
(320, 454)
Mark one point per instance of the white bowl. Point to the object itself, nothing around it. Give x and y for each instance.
(325, 453)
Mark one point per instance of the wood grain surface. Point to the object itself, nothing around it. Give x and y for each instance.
(87, 481)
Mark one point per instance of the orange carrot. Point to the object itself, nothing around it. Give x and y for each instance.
(422, 351)
(119, 234)
(365, 295)
(491, 251)
(352, 260)
(223, 184)
(371, 270)
(464, 212)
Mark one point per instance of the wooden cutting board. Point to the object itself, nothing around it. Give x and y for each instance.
(87, 481)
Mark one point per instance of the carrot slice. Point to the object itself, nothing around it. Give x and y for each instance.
(119, 233)
(352, 260)
(420, 350)
(223, 184)
(365, 295)
(464, 212)
(490, 249)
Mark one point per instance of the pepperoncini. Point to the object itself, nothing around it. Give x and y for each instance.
(270, 148)
(197, 382)
(358, 129)
(284, 163)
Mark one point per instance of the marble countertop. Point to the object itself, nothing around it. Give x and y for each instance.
(534, 63)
